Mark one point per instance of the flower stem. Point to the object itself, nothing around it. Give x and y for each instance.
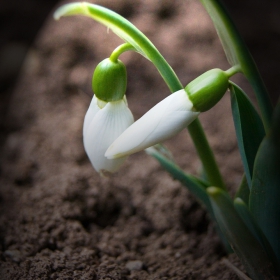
(233, 70)
(196, 131)
(119, 50)
(127, 31)
(205, 154)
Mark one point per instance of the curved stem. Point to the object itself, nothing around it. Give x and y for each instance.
(119, 50)
(129, 33)
(171, 79)
(233, 70)
(195, 129)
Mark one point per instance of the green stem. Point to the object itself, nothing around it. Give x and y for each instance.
(233, 70)
(119, 50)
(238, 54)
(205, 154)
(195, 129)
(127, 31)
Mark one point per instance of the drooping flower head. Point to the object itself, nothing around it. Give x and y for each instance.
(108, 114)
(163, 121)
(171, 115)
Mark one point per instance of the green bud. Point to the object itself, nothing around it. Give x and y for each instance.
(206, 90)
(109, 80)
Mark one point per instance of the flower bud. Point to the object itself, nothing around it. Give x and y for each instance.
(206, 90)
(109, 80)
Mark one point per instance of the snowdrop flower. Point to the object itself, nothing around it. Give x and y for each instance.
(108, 115)
(171, 115)
(163, 121)
(104, 122)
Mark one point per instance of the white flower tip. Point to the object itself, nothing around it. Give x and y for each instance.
(105, 173)
(162, 122)
(111, 153)
(71, 9)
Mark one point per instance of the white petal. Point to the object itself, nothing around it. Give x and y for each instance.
(107, 124)
(91, 112)
(163, 121)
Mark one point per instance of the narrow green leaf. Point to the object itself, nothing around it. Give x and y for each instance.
(243, 242)
(249, 220)
(265, 193)
(248, 126)
(196, 186)
(243, 191)
(238, 54)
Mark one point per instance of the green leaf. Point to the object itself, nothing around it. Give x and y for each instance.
(249, 220)
(126, 31)
(238, 54)
(265, 193)
(248, 126)
(243, 242)
(243, 191)
(196, 186)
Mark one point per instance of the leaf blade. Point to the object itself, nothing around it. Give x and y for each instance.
(243, 242)
(248, 126)
(196, 186)
(249, 220)
(243, 191)
(265, 194)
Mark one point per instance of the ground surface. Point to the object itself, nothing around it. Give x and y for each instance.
(58, 218)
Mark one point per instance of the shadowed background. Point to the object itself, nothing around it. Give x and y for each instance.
(58, 218)
(257, 21)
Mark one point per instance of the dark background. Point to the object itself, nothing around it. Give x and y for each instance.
(257, 21)
(50, 198)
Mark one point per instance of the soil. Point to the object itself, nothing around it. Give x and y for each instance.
(58, 218)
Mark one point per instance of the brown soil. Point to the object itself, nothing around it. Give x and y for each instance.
(58, 218)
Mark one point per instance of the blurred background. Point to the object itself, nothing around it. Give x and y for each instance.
(258, 22)
(50, 196)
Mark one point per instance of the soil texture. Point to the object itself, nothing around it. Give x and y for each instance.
(58, 218)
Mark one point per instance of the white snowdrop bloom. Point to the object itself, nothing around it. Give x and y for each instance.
(163, 121)
(103, 123)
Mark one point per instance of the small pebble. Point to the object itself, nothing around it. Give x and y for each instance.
(13, 255)
(177, 255)
(134, 265)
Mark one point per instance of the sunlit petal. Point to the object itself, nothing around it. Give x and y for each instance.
(107, 124)
(91, 112)
(163, 121)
